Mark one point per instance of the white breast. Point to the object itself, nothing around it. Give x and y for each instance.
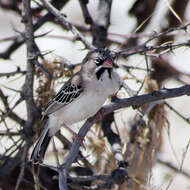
(88, 104)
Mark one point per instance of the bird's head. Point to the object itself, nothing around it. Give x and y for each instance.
(104, 58)
(101, 61)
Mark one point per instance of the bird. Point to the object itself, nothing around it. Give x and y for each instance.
(80, 98)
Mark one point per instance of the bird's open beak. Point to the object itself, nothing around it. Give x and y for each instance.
(108, 63)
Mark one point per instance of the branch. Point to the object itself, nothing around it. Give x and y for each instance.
(142, 48)
(73, 154)
(100, 26)
(19, 40)
(67, 24)
(18, 71)
(177, 170)
(186, 119)
(164, 33)
(32, 111)
(117, 176)
(135, 101)
(9, 111)
(85, 12)
(9, 165)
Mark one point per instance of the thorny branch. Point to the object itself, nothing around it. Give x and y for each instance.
(19, 39)
(68, 25)
(169, 31)
(142, 48)
(154, 51)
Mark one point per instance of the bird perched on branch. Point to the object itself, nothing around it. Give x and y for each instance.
(80, 97)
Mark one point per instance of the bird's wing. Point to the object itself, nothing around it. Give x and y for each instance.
(69, 92)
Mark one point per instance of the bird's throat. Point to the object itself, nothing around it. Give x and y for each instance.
(101, 71)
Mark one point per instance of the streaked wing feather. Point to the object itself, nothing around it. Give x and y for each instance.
(65, 96)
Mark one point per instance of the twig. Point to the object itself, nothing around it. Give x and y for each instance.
(5, 133)
(8, 134)
(175, 111)
(20, 39)
(140, 49)
(155, 36)
(7, 168)
(169, 165)
(164, 33)
(8, 111)
(128, 68)
(117, 176)
(17, 148)
(66, 24)
(12, 73)
(23, 163)
(146, 61)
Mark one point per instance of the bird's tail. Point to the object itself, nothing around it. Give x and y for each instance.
(39, 150)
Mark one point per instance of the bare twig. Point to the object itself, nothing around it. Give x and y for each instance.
(66, 24)
(8, 111)
(23, 163)
(142, 48)
(178, 113)
(117, 176)
(164, 33)
(19, 40)
(157, 49)
(7, 132)
(169, 165)
(18, 71)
